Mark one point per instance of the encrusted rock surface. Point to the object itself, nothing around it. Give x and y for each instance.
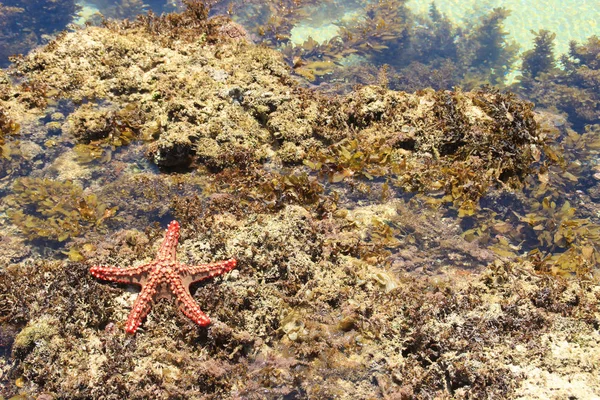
(363, 271)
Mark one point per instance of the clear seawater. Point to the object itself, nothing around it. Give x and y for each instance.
(569, 19)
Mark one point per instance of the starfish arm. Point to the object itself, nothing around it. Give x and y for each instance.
(195, 273)
(187, 305)
(129, 275)
(168, 247)
(141, 308)
(164, 277)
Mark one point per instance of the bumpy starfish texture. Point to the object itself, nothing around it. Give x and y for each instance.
(164, 277)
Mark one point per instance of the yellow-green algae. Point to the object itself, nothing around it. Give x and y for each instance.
(43, 208)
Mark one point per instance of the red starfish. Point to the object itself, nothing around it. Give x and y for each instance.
(164, 277)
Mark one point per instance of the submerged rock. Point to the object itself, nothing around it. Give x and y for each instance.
(369, 266)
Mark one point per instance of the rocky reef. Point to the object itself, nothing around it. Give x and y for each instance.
(388, 244)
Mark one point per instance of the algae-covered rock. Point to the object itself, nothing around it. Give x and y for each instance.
(211, 99)
(173, 147)
(37, 333)
(385, 245)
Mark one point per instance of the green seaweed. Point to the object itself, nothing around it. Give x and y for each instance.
(540, 59)
(574, 88)
(451, 154)
(419, 51)
(48, 209)
(490, 53)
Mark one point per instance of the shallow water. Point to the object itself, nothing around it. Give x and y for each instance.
(354, 270)
(569, 19)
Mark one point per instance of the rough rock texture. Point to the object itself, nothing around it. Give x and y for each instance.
(297, 319)
(363, 270)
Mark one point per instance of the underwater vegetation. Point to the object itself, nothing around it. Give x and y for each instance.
(417, 51)
(540, 59)
(570, 85)
(452, 146)
(43, 208)
(407, 52)
(451, 153)
(435, 244)
(410, 52)
(100, 132)
(553, 223)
